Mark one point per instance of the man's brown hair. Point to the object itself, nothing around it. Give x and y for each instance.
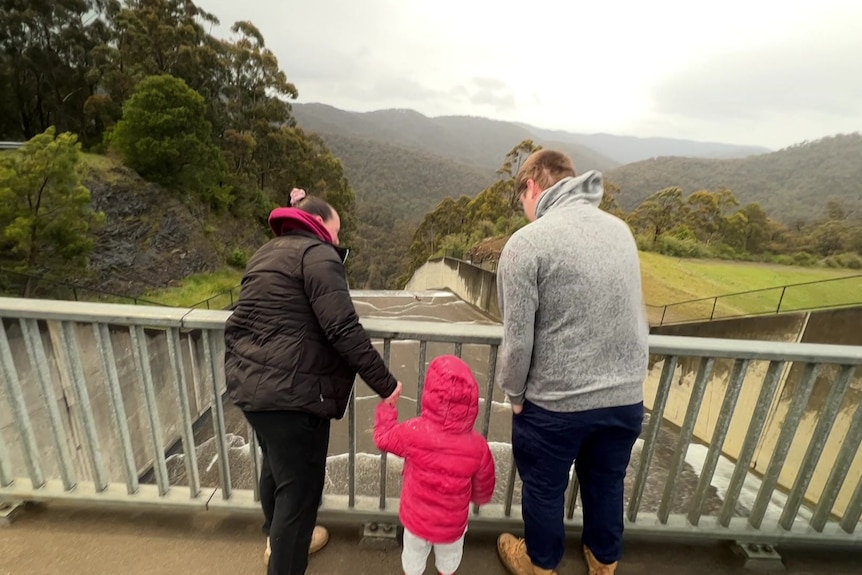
(546, 168)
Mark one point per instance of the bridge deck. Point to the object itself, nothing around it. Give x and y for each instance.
(72, 541)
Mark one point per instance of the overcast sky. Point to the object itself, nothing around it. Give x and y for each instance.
(765, 72)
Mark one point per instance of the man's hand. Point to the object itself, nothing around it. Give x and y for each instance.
(517, 408)
(393, 399)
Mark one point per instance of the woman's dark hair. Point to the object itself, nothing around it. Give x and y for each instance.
(315, 207)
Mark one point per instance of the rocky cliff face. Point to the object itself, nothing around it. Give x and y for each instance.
(151, 238)
(487, 251)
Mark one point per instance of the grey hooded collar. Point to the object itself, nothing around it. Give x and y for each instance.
(584, 189)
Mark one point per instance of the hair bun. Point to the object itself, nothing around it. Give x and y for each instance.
(296, 194)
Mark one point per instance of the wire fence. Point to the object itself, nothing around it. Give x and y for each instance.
(805, 296)
(36, 286)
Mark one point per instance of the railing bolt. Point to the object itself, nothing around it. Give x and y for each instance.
(372, 527)
(753, 548)
(767, 548)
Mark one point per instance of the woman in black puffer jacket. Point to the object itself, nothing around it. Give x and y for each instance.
(293, 347)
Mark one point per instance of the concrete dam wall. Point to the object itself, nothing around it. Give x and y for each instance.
(129, 375)
(841, 327)
(474, 285)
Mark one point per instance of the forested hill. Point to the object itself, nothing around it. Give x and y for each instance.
(480, 142)
(792, 183)
(628, 149)
(404, 181)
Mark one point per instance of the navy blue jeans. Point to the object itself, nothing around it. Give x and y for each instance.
(600, 442)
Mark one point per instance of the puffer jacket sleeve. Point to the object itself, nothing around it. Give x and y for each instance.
(388, 434)
(485, 478)
(326, 288)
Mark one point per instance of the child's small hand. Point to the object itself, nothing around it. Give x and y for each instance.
(392, 400)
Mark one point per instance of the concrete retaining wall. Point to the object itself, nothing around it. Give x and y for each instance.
(829, 327)
(165, 388)
(475, 285)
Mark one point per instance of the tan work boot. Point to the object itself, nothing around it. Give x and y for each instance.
(595, 566)
(513, 554)
(319, 539)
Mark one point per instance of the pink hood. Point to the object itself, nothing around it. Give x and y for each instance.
(451, 395)
(283, 220)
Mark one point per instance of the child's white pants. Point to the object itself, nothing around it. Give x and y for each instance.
(447, 557)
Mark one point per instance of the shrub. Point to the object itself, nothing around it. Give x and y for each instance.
(238, 259)
(849, 260)
(783, 259)
(645, 243)
(680, 248)
(724, 252)
(804, 259)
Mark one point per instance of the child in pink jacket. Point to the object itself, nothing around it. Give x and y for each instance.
(447, 465)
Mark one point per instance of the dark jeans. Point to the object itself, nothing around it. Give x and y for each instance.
(600, 442)
(294, 445)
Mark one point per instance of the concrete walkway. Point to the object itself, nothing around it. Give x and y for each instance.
(60, 540)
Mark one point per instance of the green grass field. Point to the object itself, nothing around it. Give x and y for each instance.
(669, 280)
(199, 287)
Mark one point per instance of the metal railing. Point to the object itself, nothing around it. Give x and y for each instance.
(845, 291)
(134, 380)
(220, 300)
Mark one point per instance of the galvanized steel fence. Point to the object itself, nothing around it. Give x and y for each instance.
(93, 396)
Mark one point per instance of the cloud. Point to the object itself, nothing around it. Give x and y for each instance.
(779, 80)
(494, 93)
(801, 87)
(783, 72)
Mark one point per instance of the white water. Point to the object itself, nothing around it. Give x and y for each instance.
(368, 476)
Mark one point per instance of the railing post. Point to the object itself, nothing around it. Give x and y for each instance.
(714, 302)
(663, 311)
(780, 299)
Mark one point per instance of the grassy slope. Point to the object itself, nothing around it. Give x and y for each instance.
(670, 280)
(195, 289)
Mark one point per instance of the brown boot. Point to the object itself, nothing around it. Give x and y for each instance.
(597, 568)
(319, 539)
(513, 554)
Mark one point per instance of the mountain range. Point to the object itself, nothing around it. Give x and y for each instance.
(409, 162)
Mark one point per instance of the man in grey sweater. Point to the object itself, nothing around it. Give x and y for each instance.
(572, 362)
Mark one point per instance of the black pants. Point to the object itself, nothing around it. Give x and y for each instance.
(294, 446)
